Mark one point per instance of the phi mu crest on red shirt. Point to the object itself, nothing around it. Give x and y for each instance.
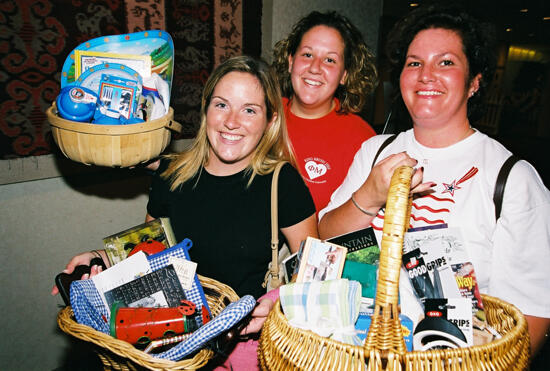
(316, 168)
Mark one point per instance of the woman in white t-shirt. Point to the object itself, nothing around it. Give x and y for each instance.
(443, 61)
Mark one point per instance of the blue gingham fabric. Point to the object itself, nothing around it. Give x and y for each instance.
(88, 307)
(90, 310)
(181, 250)
(328, 308)
(229, 317)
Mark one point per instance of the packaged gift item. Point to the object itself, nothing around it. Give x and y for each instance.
(455, 310)
(151, 237)
(362, 258)
(142, 54)
(119, 94)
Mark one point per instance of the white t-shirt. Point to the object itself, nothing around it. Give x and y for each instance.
(511, 257)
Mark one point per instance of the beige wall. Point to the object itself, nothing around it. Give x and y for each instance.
(42, 224)
(280, 15)
(68, 209)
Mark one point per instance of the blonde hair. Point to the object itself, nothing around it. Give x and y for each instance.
(274, 146)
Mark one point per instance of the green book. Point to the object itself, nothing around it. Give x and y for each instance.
(362, 259)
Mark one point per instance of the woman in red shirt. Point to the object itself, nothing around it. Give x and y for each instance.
(326, 72)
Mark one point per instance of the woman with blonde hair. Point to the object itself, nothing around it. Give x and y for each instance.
(217, 193)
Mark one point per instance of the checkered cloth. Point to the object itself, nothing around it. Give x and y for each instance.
(328, 308)
(229, 317)
(90, 310)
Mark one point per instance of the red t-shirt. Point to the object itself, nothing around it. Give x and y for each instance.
(324, 148)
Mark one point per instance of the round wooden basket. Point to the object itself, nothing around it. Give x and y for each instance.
(120, 355)
(112, 145)
(283, 347)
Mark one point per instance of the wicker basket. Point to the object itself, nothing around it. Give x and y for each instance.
(283, 347)
(112, 145)
(120, 355)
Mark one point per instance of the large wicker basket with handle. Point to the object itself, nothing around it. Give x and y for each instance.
(283, 347)
(120, 355)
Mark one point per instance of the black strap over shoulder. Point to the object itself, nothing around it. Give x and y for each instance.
(384, 145)
(501, 183)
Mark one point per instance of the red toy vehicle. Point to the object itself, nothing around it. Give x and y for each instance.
(142, 325)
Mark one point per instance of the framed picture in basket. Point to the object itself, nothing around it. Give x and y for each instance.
(321, 261)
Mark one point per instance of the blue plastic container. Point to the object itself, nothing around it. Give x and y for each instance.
(76, 103)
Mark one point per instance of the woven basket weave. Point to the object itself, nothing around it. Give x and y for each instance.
(112, 145)
(120, 355)
(283, 347)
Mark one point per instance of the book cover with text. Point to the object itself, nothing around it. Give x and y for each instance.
(362, 259)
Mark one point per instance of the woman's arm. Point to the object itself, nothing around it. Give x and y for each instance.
(521, 244)
(298, 232)
(370, 197)
(538, 329)
(294, 235)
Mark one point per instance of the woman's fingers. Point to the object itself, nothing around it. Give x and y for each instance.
(81, 259)
(254, 326)
(423, 187)
(375, 189)
(396, 160)
(416, 183)
(96, 269)
(259, 315)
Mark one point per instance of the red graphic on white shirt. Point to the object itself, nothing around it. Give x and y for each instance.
(432, 209)
(451, 188)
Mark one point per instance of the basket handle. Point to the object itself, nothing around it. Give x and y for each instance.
(173, 125)
(385, 332)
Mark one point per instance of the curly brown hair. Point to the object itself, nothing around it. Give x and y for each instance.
(359, 61)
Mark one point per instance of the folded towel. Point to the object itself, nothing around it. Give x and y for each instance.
(328, 308)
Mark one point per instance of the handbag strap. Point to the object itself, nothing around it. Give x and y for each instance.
(274, 270)
(500, 184)
(384, 145)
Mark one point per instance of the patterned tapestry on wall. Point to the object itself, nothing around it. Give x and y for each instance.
(36, 37)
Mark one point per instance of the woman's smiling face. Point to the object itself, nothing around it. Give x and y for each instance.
(434, 81)
(236, 120)
(317, 69)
